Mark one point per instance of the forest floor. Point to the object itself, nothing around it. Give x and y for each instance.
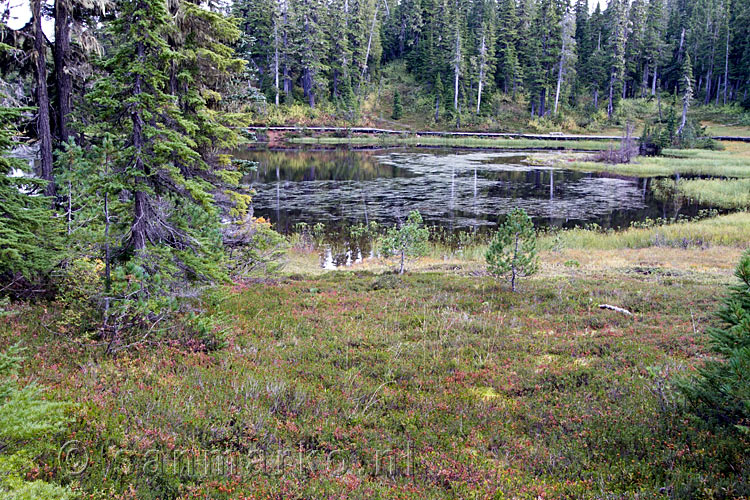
(440, 383)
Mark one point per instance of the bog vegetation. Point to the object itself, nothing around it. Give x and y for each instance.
(155, 319)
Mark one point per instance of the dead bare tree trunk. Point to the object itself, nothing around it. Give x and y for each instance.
(560, 75)
(276, 57)
(369, 42)
(456, 68)
(482, 62)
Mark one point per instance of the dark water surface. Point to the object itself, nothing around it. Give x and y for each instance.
(456, 190)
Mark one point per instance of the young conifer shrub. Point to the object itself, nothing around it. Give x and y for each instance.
(407, 239)
(720, 391)
(512, 253)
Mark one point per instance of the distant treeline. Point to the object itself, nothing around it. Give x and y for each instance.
(554, 52)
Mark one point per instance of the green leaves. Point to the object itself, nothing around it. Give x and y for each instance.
(512, 252)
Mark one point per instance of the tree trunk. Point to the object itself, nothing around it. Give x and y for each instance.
(42, 98)
(683, 122)
(596, 100)
(718, 90)
(711, 65)
(276, 58)
(403, 258)
(726, 69)
(611, 103)
(285, 40)
(456, 69)
(543, 103)
(560, 75)
(63, 80)
(482, 53)
(138, 229)
(653, 81)
(369, 42)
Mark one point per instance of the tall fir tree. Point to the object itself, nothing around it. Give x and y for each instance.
(169, 230)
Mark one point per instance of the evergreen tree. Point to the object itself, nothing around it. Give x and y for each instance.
(438, 92)
(169, 226)
(29, 237)
(485, 44)
(617, 11)
(687, 92)
(398, 110)
(27, 422)
(720, 390)
(654, 43)
(512, 252)
(509, 74)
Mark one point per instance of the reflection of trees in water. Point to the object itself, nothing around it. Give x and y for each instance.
(300, 166)
(664, 191)
(461, 191)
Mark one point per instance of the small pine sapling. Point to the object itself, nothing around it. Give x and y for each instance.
(512, 253)
(407, 239)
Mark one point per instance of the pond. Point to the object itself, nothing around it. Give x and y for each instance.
(455, 190)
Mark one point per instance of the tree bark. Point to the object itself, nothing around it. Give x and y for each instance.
(42, 98)
(542, 103)
(63, 80)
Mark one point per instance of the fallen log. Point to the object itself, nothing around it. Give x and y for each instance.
(616, 309)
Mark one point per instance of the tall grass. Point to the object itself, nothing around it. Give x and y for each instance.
(732, 163)
(729, 230)
(729, 194)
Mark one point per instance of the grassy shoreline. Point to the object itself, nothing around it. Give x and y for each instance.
(391, 141)
(733, 161)
(729, 232)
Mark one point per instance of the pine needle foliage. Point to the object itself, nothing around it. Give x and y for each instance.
(720, 391)
(512, 253)
(27, 422)
(29, 240)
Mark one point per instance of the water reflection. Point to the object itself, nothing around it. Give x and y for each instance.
(455, 190)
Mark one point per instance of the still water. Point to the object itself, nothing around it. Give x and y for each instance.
(456, 190)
